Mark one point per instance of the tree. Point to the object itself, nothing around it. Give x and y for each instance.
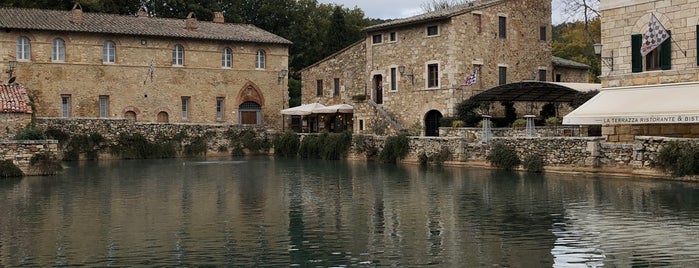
(435, 5)
(574, 41)
(588, 10)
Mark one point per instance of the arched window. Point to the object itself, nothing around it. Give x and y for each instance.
(23, 48)
(58, 50)
(260, 59)
(109, 52)
(227, 58)
(178, 55)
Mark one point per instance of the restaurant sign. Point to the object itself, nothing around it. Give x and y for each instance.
(652, 119)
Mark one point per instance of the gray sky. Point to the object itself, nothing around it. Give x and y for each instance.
(393, 9)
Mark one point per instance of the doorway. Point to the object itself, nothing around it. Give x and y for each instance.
(378, 89)
(432, 119)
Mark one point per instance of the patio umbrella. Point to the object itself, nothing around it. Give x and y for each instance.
(339, 108)
(305, 109)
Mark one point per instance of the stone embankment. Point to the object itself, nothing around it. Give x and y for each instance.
(21, 153)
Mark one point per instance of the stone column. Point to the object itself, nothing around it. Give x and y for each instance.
(531, 129)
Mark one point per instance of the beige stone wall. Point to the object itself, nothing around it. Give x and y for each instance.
(13, 123)
(571, 75)
(21, 153)
(627, 133)
(621, 19)
(85, 77)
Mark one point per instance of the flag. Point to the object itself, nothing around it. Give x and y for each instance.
(471, 79)
(655, 35)
(151, 70)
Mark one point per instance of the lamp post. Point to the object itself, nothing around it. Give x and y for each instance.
(280, 77)
(401, 70)
(607, 61)
(12, 65)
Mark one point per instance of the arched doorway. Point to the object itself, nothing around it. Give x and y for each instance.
(378, 89)
(163, 117)
(250, 113)
(130, 115)
(432, 123)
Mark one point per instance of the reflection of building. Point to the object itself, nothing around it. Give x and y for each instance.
(82, 64)
(15, 112)
(646, 95)
(412, 71)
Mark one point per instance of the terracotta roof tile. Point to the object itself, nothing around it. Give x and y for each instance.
(14, 99)
(101, 23)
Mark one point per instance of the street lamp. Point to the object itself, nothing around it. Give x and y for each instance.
(12, 65)
(607, 61)
(282, 75)
(401, 69)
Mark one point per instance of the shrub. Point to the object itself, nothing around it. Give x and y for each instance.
(457, 123)
(335, 145)
(247, 139)
(533, 163)
(678, 158)
(553, 121)
(503, 156)
(423, 159)
(443, 155)
(196, 147)
(9, 169)
(136, 146)
(359, 97)
(31, 133)
(286, 144)
(310, 147)
(470, 111)
(365, 145)
(46, 163)
(519, 123)
(222, 149)
(378, 127)
(83, 144)
(396, 148)
(57, 134)
(446, 121)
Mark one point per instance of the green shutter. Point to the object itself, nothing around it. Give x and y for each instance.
(666, 53)
(636, 57)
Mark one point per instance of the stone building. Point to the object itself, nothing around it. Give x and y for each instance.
(412, 70)
(95, 65)
(569, 71)
(15, 111)
(653, 94)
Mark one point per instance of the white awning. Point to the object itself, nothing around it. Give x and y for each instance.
(650, 104)
(305, 109)
(339, 108)
(582, 87)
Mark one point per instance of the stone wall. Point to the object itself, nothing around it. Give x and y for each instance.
(627, 133)
(21, 152)
(473, 134)
(571, 75)
(12, 124)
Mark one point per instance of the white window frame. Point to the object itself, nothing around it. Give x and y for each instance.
(393, 79)
(65, 106)
(260, 59)
(185, 107)
(376, 39)
(393, 37)
(227, 58)
(104, 106)
(109, 52)
(220, 105)
(427, 75)
(58, 50)
(427, 30)
(24, 49)
(178, 55)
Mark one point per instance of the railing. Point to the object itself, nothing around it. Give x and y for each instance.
(385, 115)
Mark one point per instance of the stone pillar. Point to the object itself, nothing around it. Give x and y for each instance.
(487, 133)
(531, 129)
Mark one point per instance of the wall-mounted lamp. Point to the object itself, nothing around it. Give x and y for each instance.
(12, 65)
(282, 75)
(401, 69)
(607, 61)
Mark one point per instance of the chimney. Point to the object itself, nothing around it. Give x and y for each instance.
(77, 14)
(190, 23)
(218, 18)
(142, 12)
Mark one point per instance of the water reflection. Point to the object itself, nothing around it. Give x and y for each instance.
(262, 212)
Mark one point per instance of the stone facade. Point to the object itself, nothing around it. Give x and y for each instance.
(620, 20)
(12, 124)
(569, 71)
(21, 153)
(83, 84)
(413, 69)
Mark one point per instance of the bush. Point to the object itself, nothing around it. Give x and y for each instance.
(553, 121)
(136, 146)
(83, 144)
(446, 121)
(359, 97)
(365, 145)
(678, 158)
(310, 147)
(57, 134)
(443, 155)
(457, 123)
(9, 169)
(423, 159)
(286, 144)
(519, 123)
(378, 127)
(247, 139)
(197, 147)
(396, 148)
(503, 156)
(46, 163)
(534, 163)
(31, 133)
(329, 146)
(470, 111)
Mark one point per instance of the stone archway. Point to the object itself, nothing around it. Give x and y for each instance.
(130, 115)
(163, 117)
(432, 119)
(250, 92)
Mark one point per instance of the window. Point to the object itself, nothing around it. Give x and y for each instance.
(260, 59)
(542, 75)
(659, 58)
(104, 106)
(361, 124)
(336, 87)
(185, 108)
(394, 80)
(432, 30)
(250, 113)
(558, 78)
(219, 108)
(502, 75)
(542, 33)
(433, 75)
(376, 39)
(23, 49)
(58, 50)
(227, 58)
(178, 55)
(109, 52)
(478, 21)
(65, 106)
(502, 27)
(392, 37)
(319, 87)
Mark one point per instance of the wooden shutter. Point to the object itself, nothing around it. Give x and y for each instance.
(636, 57)
(666, 53)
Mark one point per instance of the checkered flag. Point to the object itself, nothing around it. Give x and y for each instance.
(655, 35)
(471, 79)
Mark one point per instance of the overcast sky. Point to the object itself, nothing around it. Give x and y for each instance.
(393, 9)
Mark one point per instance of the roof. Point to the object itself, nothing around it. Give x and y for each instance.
(432, 16)
(561, 62)
(650, 104)
(535, 91)
(14, 99)
(102, 23)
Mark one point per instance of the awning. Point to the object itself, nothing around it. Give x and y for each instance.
(339, 108)
(535, 91)
(651, 104)
(305, 109)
